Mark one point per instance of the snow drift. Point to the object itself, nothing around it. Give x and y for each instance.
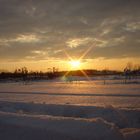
(58, 128)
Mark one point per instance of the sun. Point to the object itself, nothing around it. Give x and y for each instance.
(75, 63)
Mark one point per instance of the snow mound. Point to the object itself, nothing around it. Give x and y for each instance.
(131, 133)
(120, 117)
(59, 127)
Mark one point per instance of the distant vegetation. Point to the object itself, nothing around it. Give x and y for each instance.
(23, 74)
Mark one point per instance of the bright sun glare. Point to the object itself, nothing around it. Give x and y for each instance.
(75, 63)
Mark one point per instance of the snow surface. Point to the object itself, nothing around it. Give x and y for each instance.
(78, 110)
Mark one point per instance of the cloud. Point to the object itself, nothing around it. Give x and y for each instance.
(38, 52)
(29, 28)
(21, 39)
(74, 43)
(133, 27)
(27, 38)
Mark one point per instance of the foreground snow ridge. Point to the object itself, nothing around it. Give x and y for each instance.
(63, 128)
(32, 121)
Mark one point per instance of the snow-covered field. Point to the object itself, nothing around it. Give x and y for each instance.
(78, 110)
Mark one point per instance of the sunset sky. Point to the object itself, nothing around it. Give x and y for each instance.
(40, 34)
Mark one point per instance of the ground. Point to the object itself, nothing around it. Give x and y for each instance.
(70, 110)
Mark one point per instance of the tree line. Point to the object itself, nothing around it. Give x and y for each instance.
(24, 74)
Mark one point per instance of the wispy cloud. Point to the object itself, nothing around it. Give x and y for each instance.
(26, 38)
(21, 39)
(74, 43)
(133, 26)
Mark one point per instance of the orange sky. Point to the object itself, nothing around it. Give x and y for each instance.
(113, 64)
